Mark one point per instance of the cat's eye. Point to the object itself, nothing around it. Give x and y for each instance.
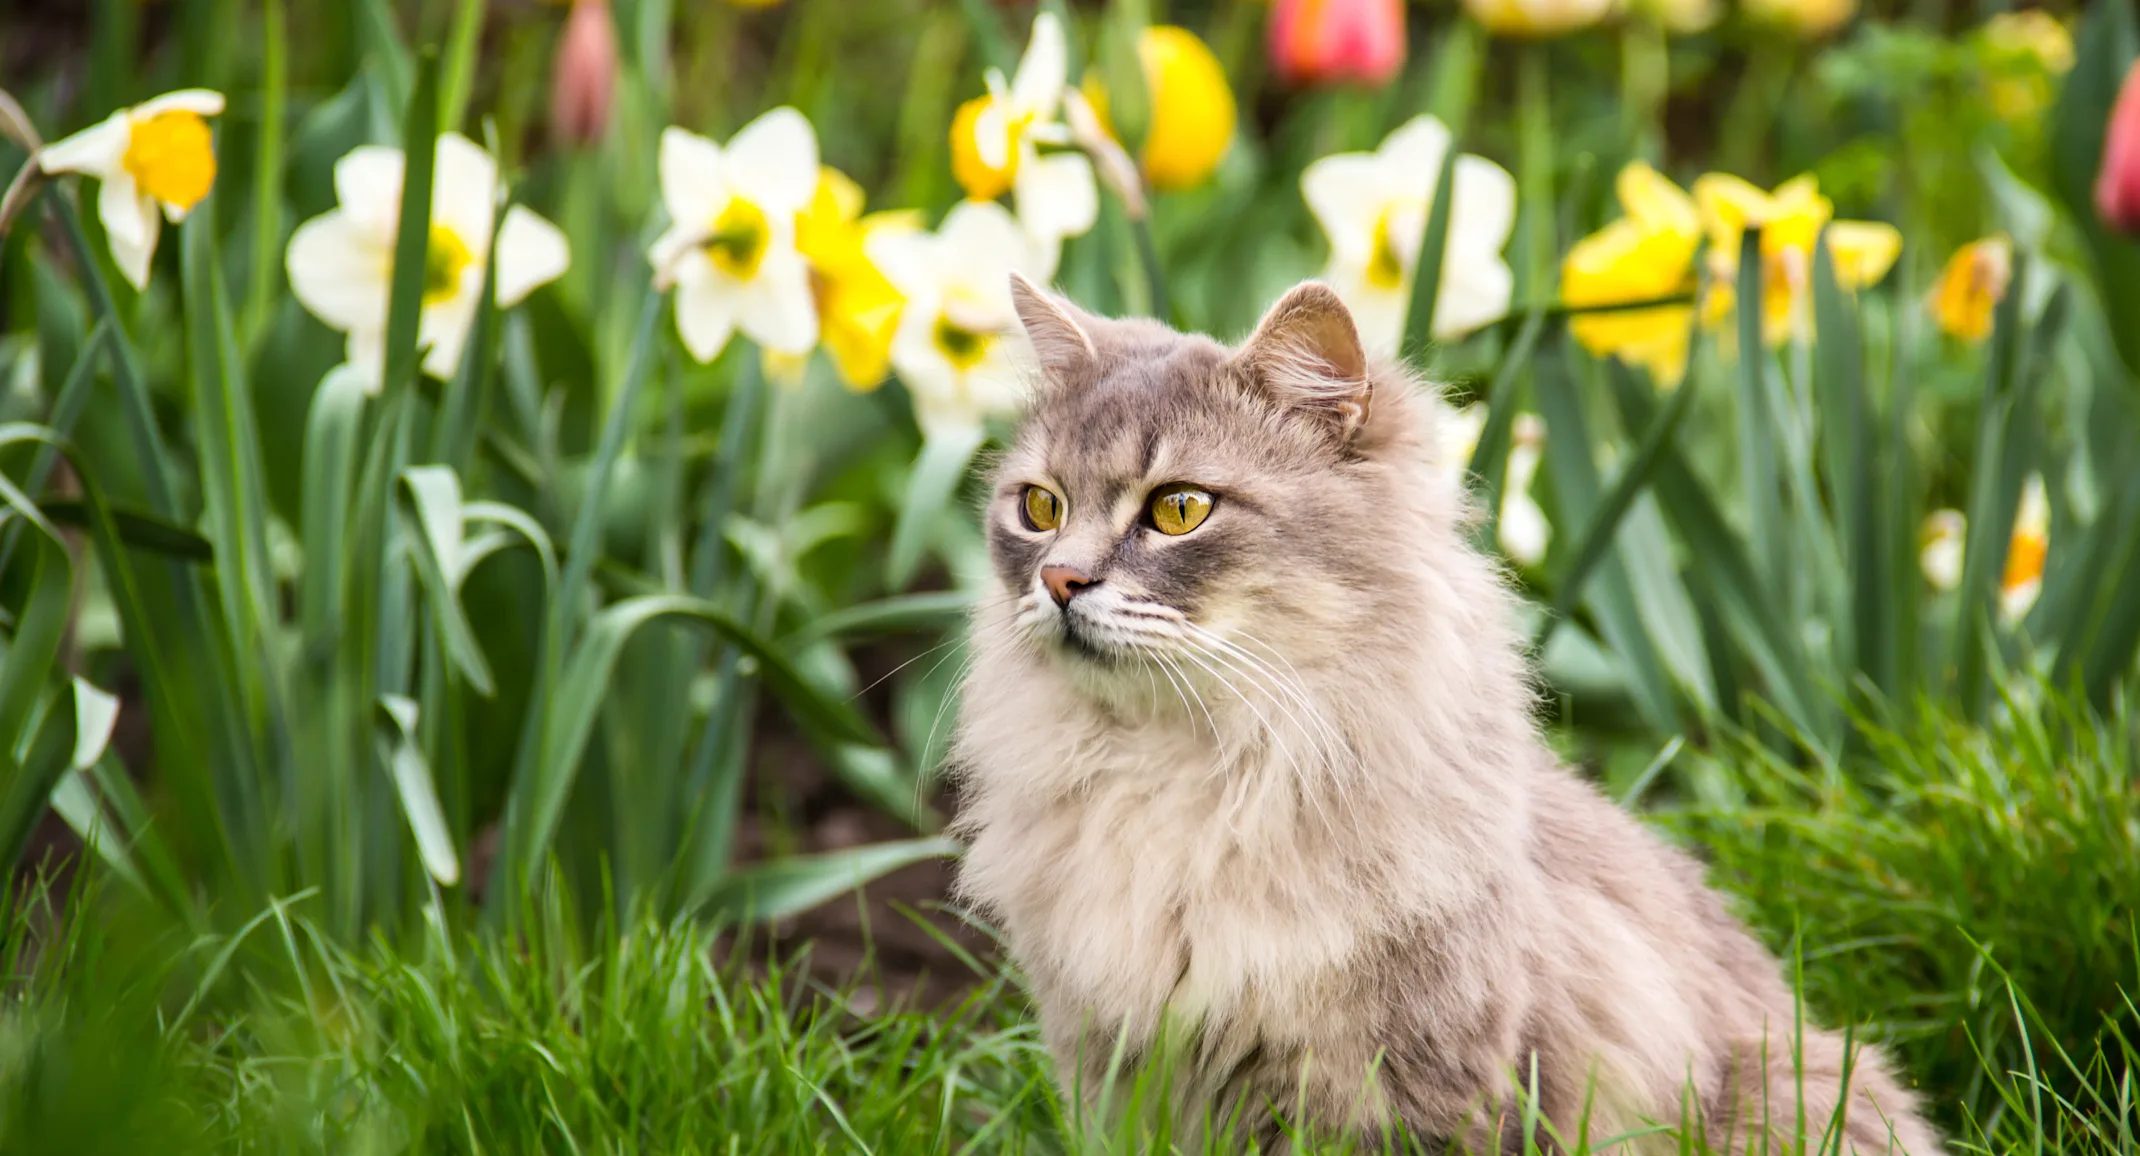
(1041, 509)
(1179, 509)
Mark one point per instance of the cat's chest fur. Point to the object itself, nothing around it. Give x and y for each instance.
(1172, 875)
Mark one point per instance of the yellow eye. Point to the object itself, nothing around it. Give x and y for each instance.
(1042, 509)
(1179, 509)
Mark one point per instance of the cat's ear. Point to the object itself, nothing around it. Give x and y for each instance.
(1059, 338)
(1306, 356)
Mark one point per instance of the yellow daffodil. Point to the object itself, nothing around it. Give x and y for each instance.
(996, 139)
(1810, 18)
(1683, 16)
(341, 263)
(857, 308)
(1971, 286)
(1192, 107)
(2022, 580)
(1645, 255)
(1521, 526)
(154, 156)
(1373, 206)
(2027, 51)
(730, 246)
(1538, 18)
(957, 347)
(1939, 552)
(1791, 219)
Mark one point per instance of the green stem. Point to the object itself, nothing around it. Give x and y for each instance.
(1535, 164)
(267, 165)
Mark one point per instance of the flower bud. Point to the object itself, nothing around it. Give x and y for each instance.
(1327, 41)
(583, 81)
(2117, 187)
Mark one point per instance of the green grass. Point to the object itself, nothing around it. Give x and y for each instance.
(655, 1036)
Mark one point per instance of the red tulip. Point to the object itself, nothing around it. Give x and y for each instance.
(1321, 41)
(584, 78)
(2117, 187)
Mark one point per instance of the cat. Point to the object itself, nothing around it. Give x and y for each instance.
(1246, 756)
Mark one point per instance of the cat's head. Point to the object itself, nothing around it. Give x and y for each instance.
(1174, 503)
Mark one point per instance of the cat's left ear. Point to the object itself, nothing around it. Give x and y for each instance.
(1059, 338)
(1306, 356)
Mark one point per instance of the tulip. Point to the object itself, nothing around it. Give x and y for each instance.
(2117, 187)
(583, 81)
(1326, 41)
(1192, 108)
(1537, 18)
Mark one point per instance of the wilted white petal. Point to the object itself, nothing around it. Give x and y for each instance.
(772, 162)
(532, 252)
(464, 190)
(705, 316)
(1044, 71)
(693, 179)
(367, 186)
(778, 312)
(339, 271)
(96, 150)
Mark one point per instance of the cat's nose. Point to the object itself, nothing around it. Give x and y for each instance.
(1064, 582)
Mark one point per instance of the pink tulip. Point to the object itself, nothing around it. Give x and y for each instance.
(2117, 187)
(583, 80)
(1325, 41)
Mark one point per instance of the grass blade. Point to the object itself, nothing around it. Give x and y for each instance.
(1757, 438)
(937, 473)
(791, 885)
(1427, 273)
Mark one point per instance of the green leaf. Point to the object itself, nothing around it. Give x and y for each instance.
(460, 419)
(2104, 47)
(937, 610)
(412, 241)
(1757, 416)
(937, 473)
(36, 769)
(330, 474)
(784, 887)
(1845, 421)
(461, 46)
(586, 543)
(1427, 274)
(401, 749)
(431, 499)
(1489, 458)
(40, 624)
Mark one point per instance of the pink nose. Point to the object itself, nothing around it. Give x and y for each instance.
(1064, 582)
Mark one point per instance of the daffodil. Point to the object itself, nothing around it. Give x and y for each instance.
(341, 263)
(2027, 50)
(996, 139)
(1538, 18)
(857, 309)
(1373, 206)
(959, 344)
(2026, 550)
(1810, 18)
(1521, 524)
(1791, 219)
(1970, 287)
(1643, 256)
(730, 246)
(154, 157)
(1939, 552)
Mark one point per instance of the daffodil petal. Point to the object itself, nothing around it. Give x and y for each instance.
(96, 150)
(981, 235)
(992, 135)
(200, 101)
(1729, 204)
(464, 189)
(1345, 193)
(705, 316)
(340, 271)
(1057, 195)
(1654, 202)
(134, 253)
(903, 258)
(1378, 313)
(779, 312)
(1484, 212)
(1863, 251)
(119, 207)
(1524, 531)
(693, 177)
(1413, 153)
(1038, 88)
(772, 161)
(367, 186)
(532, 252)
(365, 355)
(442, 332)
(1474, 292)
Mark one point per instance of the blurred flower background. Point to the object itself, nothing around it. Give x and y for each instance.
(483, 466)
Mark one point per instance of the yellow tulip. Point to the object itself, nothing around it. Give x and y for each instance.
(1192, 108)
(1970, 287)
(1810, 18)
(858, 310)
(1647, 254)
(1791, 219)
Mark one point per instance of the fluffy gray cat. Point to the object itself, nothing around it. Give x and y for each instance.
(1247, 753)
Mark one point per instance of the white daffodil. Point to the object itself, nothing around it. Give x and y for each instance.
(341, 263)
(995, 149)
(2022, 580)
(730, 246)
(1940, 551)
(155, 155)
(959, 344)
(1374, 208)
(1522, 525)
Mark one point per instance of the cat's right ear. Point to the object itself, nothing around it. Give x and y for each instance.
(1307, 357)
(1065, 349)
